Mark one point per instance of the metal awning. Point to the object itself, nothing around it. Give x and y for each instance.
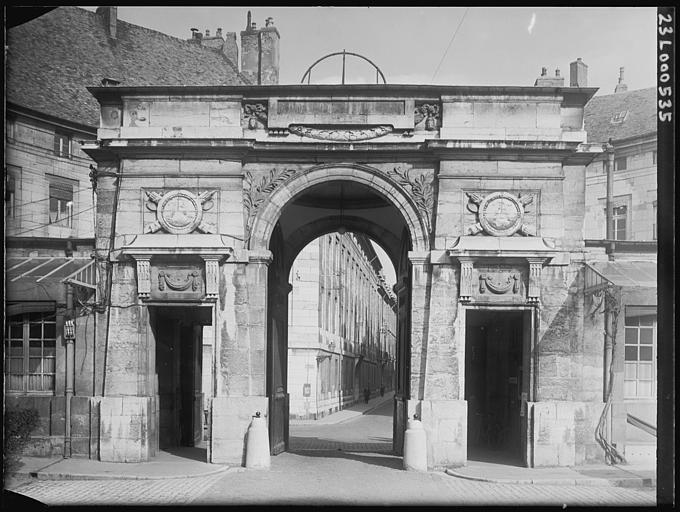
(42, 278)
(624, 274)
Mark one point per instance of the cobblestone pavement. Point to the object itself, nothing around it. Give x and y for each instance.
(330, 477)
(179, 491)
(370, 432)
(349, 478)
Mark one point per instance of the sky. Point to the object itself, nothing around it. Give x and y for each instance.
(492, 45)
(439, 45)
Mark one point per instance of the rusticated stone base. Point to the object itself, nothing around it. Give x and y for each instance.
(445, 423)
(554, 427)
(230, 418)
(126, 428)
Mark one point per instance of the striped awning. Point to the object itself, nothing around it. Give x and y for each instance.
(42, 278)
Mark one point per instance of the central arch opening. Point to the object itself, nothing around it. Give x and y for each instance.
(337, 327)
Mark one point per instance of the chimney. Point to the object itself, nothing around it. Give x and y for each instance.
(230, 47)
(620, 87)
(260, 52)
(548, 81)
(213, 42)
(578, 74)
(110, 15)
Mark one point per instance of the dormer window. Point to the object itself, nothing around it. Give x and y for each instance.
(619, 117)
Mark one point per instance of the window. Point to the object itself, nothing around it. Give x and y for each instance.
(620, 221)
(640, 354)
(61, 203)
(619, 117)
(30, 352)
(10, 130)
(62, 145)
(12, 175)
(621, 163)
(654, 220)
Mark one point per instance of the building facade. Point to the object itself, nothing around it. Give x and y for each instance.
(50, 212)
(341, 326)
(627, 120)
(208, 188)
(627, 275)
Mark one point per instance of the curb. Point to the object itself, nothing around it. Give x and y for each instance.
(39, 475)
(588, 482)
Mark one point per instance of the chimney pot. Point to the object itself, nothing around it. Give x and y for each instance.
(269, 21)
(620, 74)
(219, 32)
(253, 26)
(557, 72)
(193, 32)
(207, 32)
(544, 71)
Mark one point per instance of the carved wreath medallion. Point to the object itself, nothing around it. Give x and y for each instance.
(499, 213)
(179, 211)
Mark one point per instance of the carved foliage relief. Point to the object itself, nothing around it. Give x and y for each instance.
(421, 188)
(427, 116)
(255, 115)
(257, 190)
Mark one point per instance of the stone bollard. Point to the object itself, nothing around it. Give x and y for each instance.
(257, 445)
(415, 447)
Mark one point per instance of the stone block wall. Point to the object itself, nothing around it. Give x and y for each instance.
(47, 439)
(445, 424)
(229, 421)
(127, 431)
(554, 433)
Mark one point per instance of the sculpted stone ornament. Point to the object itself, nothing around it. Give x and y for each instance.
(179, 281)
(429, 113)
(499, 283)
(499, 214)
(180, 212)
(255, 114)
(422, 191)
(340, 134)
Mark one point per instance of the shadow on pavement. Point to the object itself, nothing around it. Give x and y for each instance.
(15, 501)
(386, 460)
(188, 452)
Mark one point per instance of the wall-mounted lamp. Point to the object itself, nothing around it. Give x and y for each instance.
(69, 330)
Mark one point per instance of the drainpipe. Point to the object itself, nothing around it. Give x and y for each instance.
(609, 152)
(69, 336)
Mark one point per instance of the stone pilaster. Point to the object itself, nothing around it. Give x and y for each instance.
(465, 279)
(143, 278)
(420, 313)
(212, 267)
(535, 267)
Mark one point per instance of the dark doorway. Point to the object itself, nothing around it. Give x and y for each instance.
(178, 334)
(495, 380)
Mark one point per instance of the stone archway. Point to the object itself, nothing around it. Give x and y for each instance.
(265, 235)
(265, 218)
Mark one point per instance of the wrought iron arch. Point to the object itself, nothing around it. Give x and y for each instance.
(378, 72)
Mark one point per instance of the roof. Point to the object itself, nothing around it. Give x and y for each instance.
(627, 274)
(42, 278)
(640, 119)
(53, 58)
